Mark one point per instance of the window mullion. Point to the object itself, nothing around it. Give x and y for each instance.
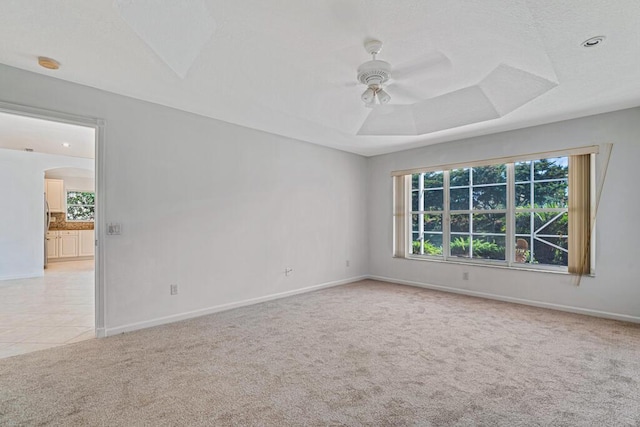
(446, 216)
(531, 215)
(511, 218)
(421, 215)
(470, 214)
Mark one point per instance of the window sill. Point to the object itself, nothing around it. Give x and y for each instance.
(552, 270)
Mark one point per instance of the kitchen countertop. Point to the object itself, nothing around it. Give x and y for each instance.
(71, 226)
(58, 223)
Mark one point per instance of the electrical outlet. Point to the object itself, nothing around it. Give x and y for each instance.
(348, 263)
(288, 271)
(174, 289)
(465, 275)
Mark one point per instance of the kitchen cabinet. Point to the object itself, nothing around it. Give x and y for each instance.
(87, 243)
(52, 244)
(68, 243)
(54, 192)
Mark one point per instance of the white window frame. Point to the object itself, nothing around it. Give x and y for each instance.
(510, 212)
(66, 205)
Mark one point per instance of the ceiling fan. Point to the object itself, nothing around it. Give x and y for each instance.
(377, 74)
(374, 74)
(502, 90)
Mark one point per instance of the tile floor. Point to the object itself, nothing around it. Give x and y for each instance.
(47, 311)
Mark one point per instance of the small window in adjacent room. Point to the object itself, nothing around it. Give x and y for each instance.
(514, 212)
(81, 205)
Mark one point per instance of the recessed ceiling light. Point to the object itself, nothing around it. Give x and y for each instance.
(593, 41)
(48, 63)
(66, 144)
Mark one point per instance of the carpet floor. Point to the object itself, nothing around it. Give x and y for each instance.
(368, 353)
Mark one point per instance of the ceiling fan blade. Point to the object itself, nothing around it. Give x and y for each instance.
(423, 66)
(341, 108)
(389, 120)
(402, 95)
(354, 83)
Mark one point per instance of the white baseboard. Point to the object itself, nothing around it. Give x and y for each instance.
(229, 306)
(73, 258)
(218, 308)
(39, 273)
(560, 307)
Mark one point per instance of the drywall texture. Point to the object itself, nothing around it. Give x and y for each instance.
(615, 288)
(22, 209)
(218, 209)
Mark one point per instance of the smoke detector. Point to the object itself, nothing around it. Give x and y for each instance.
(48, 63)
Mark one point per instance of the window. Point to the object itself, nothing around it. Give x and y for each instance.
(477, 212)
(427, 198)
(513, 213)
(81, 206)
(541, 211)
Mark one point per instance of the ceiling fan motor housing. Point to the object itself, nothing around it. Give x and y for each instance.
(374, 72)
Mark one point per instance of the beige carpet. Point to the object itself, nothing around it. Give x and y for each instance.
(362, 354)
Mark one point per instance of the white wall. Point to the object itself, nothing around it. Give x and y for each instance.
(219, 209)
(616, 287)
(222, 210)
(22, 209)
(73, 182)
(79, 184)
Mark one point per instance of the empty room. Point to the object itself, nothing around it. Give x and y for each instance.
(319, 213)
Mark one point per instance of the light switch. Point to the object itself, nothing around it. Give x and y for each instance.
(113, 228)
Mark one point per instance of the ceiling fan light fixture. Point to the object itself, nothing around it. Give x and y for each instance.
(368, 96)
(383, 97)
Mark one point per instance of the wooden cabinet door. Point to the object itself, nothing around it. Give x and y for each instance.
(68, 246)
(54, 189)
(52, 244)
(87, 245)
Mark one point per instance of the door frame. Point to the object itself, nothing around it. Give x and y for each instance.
(99, 125)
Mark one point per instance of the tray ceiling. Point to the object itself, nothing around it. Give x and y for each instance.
(289, 68)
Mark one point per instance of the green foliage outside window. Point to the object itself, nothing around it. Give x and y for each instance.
(481, 248)
(81, 206)
(475, 228)
(429, 248)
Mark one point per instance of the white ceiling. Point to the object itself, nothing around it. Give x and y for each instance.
(288, 67)
(44, 136)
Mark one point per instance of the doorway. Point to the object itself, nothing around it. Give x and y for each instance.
(52, 160)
